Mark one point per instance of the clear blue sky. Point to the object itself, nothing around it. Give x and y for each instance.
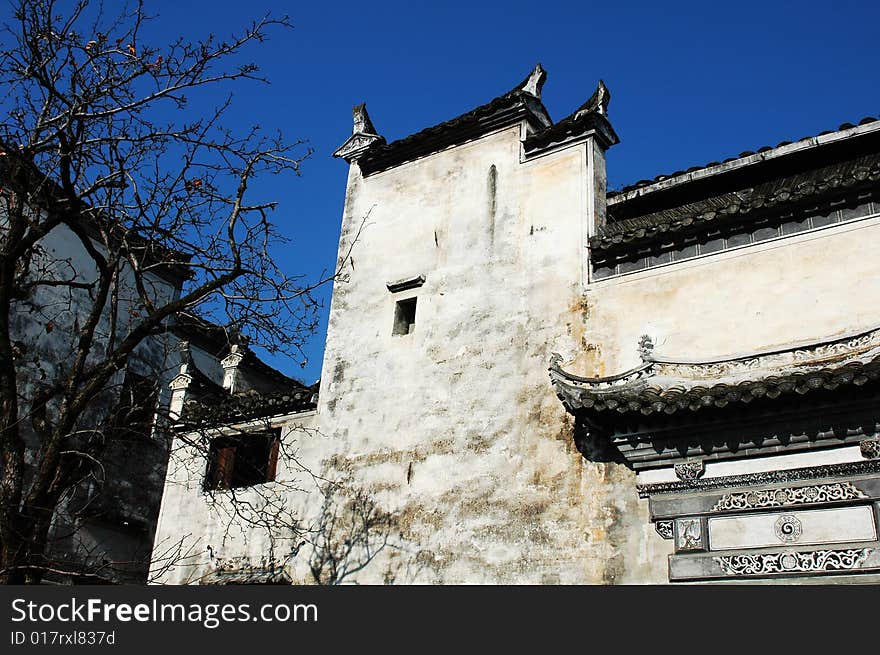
(691, 82)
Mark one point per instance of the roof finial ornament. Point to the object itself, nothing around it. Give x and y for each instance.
(535, 81)
(236, 338)
(646, 348)
(184, 352)
(362, 122)
(598, 102)
(363, 136)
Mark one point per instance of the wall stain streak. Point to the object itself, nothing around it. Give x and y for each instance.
(493, 202)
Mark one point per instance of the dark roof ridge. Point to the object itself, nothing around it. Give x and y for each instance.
(667, 395)
(188, 326)
(668, 386)
(248, 405)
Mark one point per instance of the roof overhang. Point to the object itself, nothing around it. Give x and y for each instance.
(666, 410)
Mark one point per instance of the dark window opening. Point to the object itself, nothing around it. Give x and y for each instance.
(242, 461)
(405, 316)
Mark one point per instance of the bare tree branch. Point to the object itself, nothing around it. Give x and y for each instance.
(97, 151)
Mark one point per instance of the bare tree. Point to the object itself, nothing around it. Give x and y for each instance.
(350, 531)
(98, 149)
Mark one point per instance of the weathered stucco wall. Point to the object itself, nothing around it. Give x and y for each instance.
(198, 530)
(111, 521)
(455, 426)
(802, 288)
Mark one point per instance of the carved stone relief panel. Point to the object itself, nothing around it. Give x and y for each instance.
(870, 448)
(794, 562)
(689, 471)
(664, 529)
(689, 535)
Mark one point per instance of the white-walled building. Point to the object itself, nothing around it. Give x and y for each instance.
(713, 345)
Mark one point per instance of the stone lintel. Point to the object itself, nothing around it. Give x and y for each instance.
(405, 283)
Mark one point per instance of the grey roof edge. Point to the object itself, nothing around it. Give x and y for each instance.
(590, 118)
(402, 284)
(741, 162)
(731, 210)
(242, 408)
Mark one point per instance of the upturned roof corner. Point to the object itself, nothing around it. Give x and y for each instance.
(598, 102)
(534, 82)
(363, 136)
(590, 118)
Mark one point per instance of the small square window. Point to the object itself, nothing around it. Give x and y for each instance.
(242, 461)
(404, 317)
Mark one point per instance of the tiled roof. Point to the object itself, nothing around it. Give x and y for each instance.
(666, 386)
(666, 176)
(589, 116)
(659, 398)
(216, 340)
(734, 206)
(249, 405)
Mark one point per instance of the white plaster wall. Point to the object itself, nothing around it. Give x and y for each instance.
(801, 288)
(48, 324)
(67, 310)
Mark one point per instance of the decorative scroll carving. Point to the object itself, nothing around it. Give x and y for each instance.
(363, 136)
(820, 353)
(861, 347)
(355, 146)
(817, 493)
(181, 381)
(690, 471)
(664, 529)
(846, 347)
(713, 370)
(870, 448)
(789, 528)
(535, 81)
(809, 561)
(690, 535)
(646, 348)
(644, 370)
